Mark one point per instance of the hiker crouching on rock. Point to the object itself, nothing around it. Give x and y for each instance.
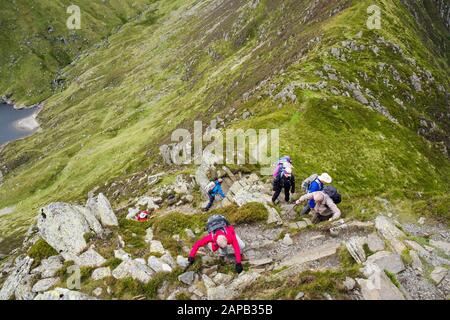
(324, 209)
(212, 189)
(221, 234)
(285, 180)
(312, 184)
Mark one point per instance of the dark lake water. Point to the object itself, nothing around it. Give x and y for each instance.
(8, 118)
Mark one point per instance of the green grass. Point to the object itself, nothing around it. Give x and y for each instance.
(39, 251)
(393, 278)
(123, 99)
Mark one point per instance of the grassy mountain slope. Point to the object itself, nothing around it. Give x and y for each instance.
(191, 60)
(35, 42)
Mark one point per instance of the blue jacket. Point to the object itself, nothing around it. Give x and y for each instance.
(316, 185)
(217, 190)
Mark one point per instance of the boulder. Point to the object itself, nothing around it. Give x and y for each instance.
(122, 255)
(387, 261)
(182, 261)
(349, 283)
(355, 247)
(90, 258)
(187, 277)
(222, 279)
(97, 292)
(101, 273)
(416, 262)
(391, 233)
(45, 284)
(168, 259)
(18, 274)
(101, 208)
(157, 265)
(63, 227)
(438, 274)
(233, 289)
(273, 216)
(442, 245)
(49, 267)
(375, 243)
(379, 287)
(63, 294)
(147, 202)
(134, 269)
(287, 240)
(157, 247)
(24, 289)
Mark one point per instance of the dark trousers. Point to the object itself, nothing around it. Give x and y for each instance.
(317, 218)
(278, 191)
(306, 209)
(211, 201)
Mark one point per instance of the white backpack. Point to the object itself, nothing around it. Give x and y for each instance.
(210, 186)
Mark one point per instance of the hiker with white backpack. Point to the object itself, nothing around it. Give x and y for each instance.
(212, 189)
(312, 184)
(220, 235)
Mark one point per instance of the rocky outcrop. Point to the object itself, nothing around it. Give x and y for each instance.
(134, 269)
(16, 278)
(379, 287)
(63, 226)
(63, 294)
(229, 291)
(391, 233)
(101, 208)
(387, 261)
(48, 267)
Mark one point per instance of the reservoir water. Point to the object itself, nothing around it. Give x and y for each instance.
(9, 117)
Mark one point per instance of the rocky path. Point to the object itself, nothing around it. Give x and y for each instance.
(396, 261)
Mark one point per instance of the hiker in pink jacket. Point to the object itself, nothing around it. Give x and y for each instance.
(219, 241)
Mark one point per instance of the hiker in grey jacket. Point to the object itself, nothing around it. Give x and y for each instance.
(325, 208)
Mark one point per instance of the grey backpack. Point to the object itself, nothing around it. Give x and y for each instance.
(307, 182)
(216, 222)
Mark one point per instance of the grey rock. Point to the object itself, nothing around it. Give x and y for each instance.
(375, 243)
(442, 245)
(90, 258)
(157, 265)
(18, 274)
(379, 287)
(45, 284)
(101, 208)
(49, 267)
(63, 294)
(287, 240)
(299, 295)
(187, 277)
(387, 261)
(134, 269)
(391, 233)
(182, 261)
(97, 292)
(355, 247)
(157, 247)
(122, 255)
(63, 227)
(349, 283)
(438, 274)
(101, 273)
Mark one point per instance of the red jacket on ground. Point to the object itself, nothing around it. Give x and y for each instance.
(230, 234)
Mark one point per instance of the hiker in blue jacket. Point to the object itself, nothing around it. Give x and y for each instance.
(214, 188)
(312, 184)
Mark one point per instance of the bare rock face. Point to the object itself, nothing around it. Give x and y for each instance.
(391, 233)
(134, 269)
(63, 294)
(379, 287)
(63, 227)
(16, 277)
(49, 267)
(101, 208)
(387, 261)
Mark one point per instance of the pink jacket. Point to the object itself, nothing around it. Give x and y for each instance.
(231, 238)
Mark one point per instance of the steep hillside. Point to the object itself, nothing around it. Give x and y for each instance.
(368, 106)
(35, 43)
